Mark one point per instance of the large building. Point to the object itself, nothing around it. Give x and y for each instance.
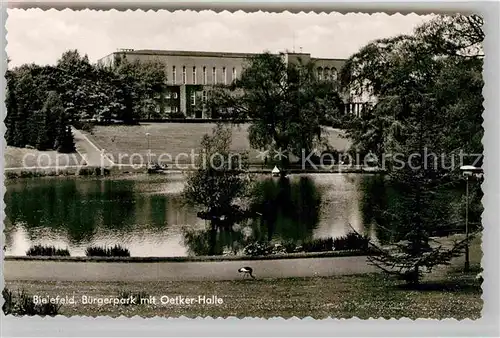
(189, 73)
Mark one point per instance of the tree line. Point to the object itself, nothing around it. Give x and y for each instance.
(43, 101)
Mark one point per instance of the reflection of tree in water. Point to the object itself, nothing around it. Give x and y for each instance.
(215, 241)
(158, 210)
(383, 204)
(118, 204)
(72, 207)
(289, 211)
(374, 206)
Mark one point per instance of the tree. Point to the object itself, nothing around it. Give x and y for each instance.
(47, 130)
(35, 108)
(449, 71)
(459, 35)
(12, 109)
(141, 85)
(64, 142)
(218, 181)
(76, 83)
(219, 186)
(28, 89)
(108, 95)
(428, 90)
(285, 102)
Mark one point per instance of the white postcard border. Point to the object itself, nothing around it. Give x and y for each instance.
(138, 327)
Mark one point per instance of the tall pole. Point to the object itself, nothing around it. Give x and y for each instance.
(467, 263)
(149, 150)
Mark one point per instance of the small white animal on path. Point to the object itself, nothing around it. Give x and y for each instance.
(246, 271)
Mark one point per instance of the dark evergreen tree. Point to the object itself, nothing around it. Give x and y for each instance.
(429, 106)
(63, 141)
(12, 110)
(43, 138)
(66, 142)
(45, 122)
(20, 133)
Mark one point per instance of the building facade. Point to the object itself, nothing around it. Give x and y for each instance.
(190, 73)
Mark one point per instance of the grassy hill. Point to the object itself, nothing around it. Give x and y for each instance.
(175, 138)
(28, 158)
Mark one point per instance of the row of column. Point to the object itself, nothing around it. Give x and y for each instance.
(354, 108)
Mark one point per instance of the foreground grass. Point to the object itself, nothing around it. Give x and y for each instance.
(176, 138)
(364, 296)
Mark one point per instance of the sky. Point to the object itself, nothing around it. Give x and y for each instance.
(37, 36)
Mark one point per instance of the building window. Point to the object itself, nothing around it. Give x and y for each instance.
(194, 75)
(327, 73)
(320, 73)
(214, 75)
(184, 75)
(193, 98)
(205, 75)
(334, 74)
(234, 74)
(204, 96)
(224, 77)
(174, 74)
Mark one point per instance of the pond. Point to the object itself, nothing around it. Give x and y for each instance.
(147, 215)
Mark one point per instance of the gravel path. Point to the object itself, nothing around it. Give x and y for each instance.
(175, 271)
(89, 150)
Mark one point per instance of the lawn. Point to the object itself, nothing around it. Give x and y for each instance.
(446, 293)
(363, 296)
(28, 158)
(174, 139)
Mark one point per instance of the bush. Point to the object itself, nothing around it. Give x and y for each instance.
(11, 175)
(115, 251)
(93, 171)
(258, 249)
(264, 249)
(351, 241)
(85, 172)
(22, 304)
(40, 250)
(28, 174)
(87, 126)
(318, 245)
(176, 115)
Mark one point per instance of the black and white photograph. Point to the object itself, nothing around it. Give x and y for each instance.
(243, 164)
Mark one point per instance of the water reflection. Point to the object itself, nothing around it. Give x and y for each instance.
(146, 214)
(290, 208)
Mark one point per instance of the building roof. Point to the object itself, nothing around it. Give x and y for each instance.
(185, 53)
(205, 53)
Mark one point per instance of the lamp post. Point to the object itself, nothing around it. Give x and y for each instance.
(149, 149)
(468, 171)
